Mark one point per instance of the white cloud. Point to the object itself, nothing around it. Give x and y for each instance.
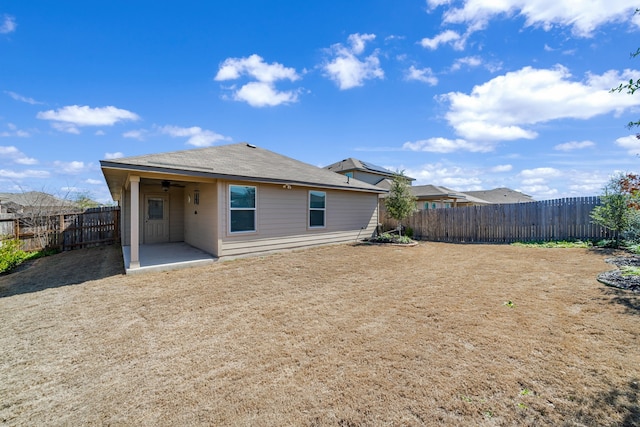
(455, 177)
(583, 18)
(444, 145)
(72, 168)
(69, 118)
(100, 133)
(93, 181)
(111, 156)
(630, 143)
(545, 172)
(262, 92)
(8, 24)
(196, 136)
(505, 107)
(255, 67)
(469, 61)
(21, 98)
(446, 37)
(14, 132)
(574, 145)
(10, 174)
(346, 69)
(501, 168)
(15, 155)
(139, 134)
(424, 75)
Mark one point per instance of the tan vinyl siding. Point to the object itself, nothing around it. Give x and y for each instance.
(176, 214)
(200, 220)
(283, 215)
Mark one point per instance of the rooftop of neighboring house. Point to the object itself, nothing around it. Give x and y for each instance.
(355, 165)
(433, 192)
(501, 195)
(33, 200)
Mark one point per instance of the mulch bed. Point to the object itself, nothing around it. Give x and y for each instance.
(616, 279)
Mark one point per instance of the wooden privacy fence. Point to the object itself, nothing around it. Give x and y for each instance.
(548, 220)
(93, 227)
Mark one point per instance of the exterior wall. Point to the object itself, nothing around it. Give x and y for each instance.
(200, 228)
(282, 220)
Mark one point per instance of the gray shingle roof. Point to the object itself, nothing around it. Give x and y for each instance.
(352, 164)
(239, 161)
(501, 195)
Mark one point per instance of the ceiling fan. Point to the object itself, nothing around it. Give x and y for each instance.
(167, 184)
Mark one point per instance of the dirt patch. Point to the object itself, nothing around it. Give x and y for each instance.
(341, 335)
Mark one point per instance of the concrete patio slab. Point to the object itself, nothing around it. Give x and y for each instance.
(166, 256)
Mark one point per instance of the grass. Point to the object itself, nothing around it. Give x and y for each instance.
(342, 335)
(628, 270)
(555, 244)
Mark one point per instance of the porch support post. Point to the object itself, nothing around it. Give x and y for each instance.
(135, 222)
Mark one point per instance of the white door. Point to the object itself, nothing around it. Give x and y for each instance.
(156, 219)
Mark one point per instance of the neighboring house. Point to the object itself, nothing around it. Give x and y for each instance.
(364, 171)
(501, 195)
(33, 203)
(435, 197)
(236, 199)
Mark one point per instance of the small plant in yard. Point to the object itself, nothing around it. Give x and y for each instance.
(391, 238)
(525, 392)
(555, 244)
(629, 270)
(509, 304)
(11, 255)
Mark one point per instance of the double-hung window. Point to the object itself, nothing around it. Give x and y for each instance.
(317, 208)
(242, 208)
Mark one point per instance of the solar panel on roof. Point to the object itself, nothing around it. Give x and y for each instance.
(376, 168)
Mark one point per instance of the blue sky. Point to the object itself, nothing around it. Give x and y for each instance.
(466, 94)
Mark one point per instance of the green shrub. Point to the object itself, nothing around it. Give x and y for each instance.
(11, 255)
(390, 238)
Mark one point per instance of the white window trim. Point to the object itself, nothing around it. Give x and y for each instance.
(254, 209)
(324, 210)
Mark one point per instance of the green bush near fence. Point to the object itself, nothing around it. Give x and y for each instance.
(12, 256)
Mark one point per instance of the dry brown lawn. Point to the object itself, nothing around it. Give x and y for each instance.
(342, 335)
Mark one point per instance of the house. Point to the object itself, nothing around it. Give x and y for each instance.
(235, 200)
(365, 171)
(434, 197)
(33, 203)
(501, 195)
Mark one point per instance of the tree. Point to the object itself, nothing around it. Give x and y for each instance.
(619, 211)
(631, 87)
(84, 201)
(401, 202)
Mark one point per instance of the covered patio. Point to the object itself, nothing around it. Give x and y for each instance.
(164, 257)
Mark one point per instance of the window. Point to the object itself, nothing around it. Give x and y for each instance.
(317, 208)
(155, 209)
(242, 208)
(426, 206)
